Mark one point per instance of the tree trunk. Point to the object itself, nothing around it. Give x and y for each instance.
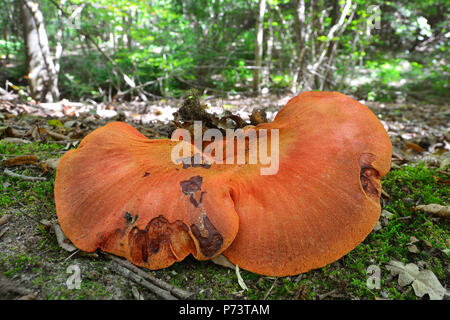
(266, 71)
(299, 26)
(259, 46)
(58, 38)
(41, 69)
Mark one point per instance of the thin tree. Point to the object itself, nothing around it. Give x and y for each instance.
(42, 73)
(259, 46)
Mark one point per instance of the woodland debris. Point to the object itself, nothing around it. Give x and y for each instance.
(9, 290)
(50, 164)
(15, 140)
(21, 160)
(136, 294)
(63, 242)
(31, 296)
(258, 116)
(423, 282)
(5, 218)
(21, 176)
(270, 289)
(2, 232)
(164, 294)
(180, 293)
(435, 209)
(223, 261)
(240, 280)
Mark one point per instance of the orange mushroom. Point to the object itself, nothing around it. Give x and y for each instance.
(122, 193)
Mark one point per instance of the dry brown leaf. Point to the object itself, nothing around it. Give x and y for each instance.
(423, 282)
(12, 133)
(49, 164)
(439, 180)
(435, 209)
(20, 160)
(413, 146)
(15, 140)
(223, 261)
(413, 249)
(63, 242)
(5, 218)
(54, 135)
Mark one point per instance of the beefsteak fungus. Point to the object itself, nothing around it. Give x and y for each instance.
(122, 193)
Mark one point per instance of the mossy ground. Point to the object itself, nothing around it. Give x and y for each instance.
(30, 255)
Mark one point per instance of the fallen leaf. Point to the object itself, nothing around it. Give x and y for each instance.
(413, 239)
(377, 226)
(413, 249)
(423, 282)
(15, 140)
(5, 218)
(428, 243)
(63, 242)
(49, 164)
(12, 133)
(20, 160)
(413, 146)
(223, 261)
(439, 180)
(240, 280)
(436, 209)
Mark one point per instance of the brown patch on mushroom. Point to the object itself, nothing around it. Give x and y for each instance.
(369, 176)
(189, 187)
(212, 243)
(157, 236)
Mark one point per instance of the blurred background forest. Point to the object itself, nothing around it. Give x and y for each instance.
(144, 50)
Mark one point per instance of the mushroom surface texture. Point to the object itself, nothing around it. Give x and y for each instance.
(122, 193)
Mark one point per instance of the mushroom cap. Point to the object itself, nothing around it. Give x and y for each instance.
(324, 200)
(122, 193)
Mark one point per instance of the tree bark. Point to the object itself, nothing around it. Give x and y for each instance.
(268, 59)
(41, 69)
(259, 47)
(300, 25)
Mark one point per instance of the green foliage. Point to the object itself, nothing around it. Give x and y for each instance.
(16, 192)
(173, 45)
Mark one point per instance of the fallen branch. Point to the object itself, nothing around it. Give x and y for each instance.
(270, 289)
(21, 176)
(164, 294)
(2, 233)
(180, 293)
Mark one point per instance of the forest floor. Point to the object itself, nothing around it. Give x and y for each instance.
(33, 264)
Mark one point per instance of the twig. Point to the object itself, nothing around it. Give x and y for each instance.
(57, 136)
(74, 253)
(180, 293)
(270, 289)
(21, 176)
(2, 233)
(323, 296)
(164, 294)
